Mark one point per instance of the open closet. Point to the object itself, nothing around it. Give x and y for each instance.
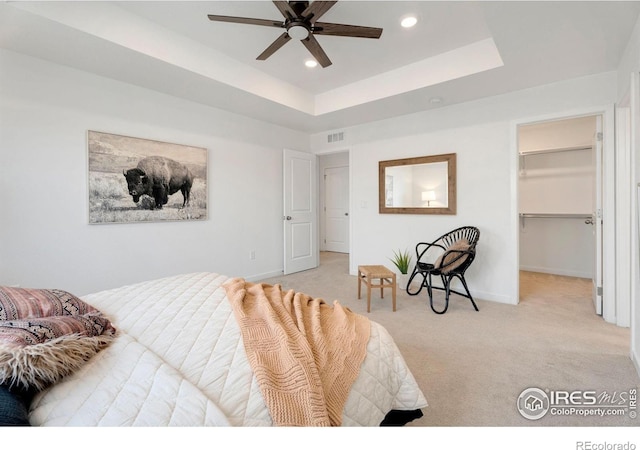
(558, 198)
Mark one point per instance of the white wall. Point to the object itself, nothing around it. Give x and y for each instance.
(480, 133)
(559, 183)
(557, 246)
(380, 234)
(45, 239)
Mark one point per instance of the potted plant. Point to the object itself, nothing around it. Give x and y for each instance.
(402, 260)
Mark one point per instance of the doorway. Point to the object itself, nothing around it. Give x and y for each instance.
(334, 190)
(336, 209)
(560, 203)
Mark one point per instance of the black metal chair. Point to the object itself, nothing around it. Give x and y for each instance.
(447, 257)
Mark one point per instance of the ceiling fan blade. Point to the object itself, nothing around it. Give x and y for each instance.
(277, 44)
(286, 9)
(317, 9)
(246, 20)
(335, 29)
(314, 47)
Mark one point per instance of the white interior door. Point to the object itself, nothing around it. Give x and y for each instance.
(300, 211)
(336, 209)
(597, 217)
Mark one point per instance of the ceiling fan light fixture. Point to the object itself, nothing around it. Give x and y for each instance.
(311, 63)
(299, 32)
(301, 23)
(408, 21)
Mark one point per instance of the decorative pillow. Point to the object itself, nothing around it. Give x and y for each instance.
(32, 331)
(49, 334)
(449, 261)
(20, 303)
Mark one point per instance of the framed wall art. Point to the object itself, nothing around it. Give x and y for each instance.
(140, 180)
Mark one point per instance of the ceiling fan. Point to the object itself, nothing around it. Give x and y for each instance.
(301, 22)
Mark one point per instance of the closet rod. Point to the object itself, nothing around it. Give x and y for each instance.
(555, 216)
(556, 150)
(588, 218)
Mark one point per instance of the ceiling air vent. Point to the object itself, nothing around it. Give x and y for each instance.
(335, 137)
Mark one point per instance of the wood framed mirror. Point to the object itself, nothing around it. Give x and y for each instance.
(421, 185)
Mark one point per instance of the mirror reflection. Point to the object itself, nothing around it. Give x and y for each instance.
(423, 185)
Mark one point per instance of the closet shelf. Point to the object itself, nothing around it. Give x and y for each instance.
(555, 150)
(523, 154)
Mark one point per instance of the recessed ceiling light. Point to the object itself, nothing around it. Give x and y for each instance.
(409, 21)
(311, 63)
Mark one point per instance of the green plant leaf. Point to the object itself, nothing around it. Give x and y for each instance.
(402, 260)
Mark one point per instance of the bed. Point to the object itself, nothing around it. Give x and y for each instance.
(178, 358)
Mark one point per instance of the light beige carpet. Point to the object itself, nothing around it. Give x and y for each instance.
(472, 366)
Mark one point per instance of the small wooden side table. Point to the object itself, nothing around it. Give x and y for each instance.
(386, 278)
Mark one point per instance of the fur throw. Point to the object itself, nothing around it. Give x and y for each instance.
(41, 365)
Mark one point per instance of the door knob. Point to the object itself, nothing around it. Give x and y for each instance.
(288, 217)
(346, 214)
(589, 221)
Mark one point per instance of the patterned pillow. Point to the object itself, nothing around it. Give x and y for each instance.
(40, 330)
(46, 334)
(449, 261)
(21, 303)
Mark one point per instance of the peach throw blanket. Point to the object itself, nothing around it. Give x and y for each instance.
(305, 353)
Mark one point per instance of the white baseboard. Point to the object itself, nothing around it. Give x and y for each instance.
(552, 271)
(484, 295)
(492, 297)
(262, 276)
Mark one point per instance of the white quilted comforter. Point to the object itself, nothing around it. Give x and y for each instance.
(179, 360)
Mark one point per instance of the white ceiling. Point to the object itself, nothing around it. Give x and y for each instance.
(458, 51)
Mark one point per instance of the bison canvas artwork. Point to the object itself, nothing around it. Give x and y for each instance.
(140, 180)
